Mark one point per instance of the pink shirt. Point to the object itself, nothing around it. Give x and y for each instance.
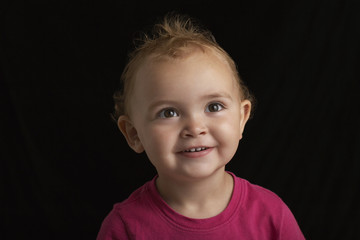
(253, 213)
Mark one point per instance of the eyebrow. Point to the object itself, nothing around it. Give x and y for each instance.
(161, 102)
(218, 95)
(205, 97)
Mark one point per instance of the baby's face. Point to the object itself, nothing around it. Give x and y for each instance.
(187, 115)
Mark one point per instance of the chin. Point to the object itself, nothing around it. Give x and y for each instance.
(202, 173)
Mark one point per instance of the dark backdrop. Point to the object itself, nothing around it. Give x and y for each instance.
(64, 163)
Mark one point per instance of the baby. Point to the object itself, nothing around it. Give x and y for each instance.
(184, 104)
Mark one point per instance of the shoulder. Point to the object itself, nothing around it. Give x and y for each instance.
(264, 206)
(137, 196)
(115, 223)
(257, 195)
(138, 204)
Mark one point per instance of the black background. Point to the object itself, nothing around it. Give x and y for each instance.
(64, 163)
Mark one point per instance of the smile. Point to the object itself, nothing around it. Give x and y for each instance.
(196, 152)
(199, 149)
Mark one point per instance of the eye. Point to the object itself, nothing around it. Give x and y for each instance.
(214, 107)
(168, 113)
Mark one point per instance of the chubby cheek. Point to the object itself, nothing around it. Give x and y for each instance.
(158, 143)
(228, 134)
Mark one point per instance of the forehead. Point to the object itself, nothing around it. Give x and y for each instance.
(189, 61)
(195, 73)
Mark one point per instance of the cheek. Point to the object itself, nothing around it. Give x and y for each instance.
(158, 139)
(228, 128)
(229, 137)
(158, 145)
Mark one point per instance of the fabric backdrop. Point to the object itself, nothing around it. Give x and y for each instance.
(64, 163)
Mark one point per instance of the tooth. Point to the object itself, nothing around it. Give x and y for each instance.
(192, 150)
(198, 149)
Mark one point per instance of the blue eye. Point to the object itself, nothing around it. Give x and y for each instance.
(168, 113)
(214, 107)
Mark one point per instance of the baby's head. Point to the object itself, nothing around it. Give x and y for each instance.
(175, 37)
(183, 102)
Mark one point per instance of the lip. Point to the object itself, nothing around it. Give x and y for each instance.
(196, 154)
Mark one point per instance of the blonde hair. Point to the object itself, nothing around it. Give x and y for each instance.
(173, 37)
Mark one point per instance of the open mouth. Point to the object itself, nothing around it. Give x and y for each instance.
(199, 149)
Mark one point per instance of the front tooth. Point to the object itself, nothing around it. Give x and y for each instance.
(198, 149)
(192, 150)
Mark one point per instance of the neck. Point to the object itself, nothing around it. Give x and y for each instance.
(198, 198)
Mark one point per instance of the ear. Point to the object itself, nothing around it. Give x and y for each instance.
(129, 131)
(245, 109)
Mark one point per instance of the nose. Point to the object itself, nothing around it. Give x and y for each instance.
(194, 126)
